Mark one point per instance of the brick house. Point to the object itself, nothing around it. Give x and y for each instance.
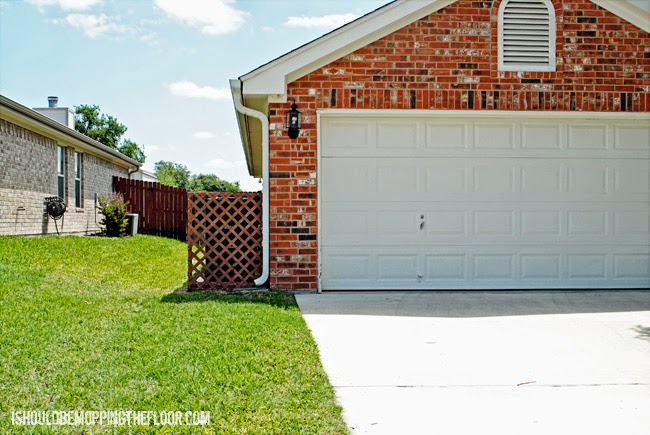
(458, 144)
(42, 156)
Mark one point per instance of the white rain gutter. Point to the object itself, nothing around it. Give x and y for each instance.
(247, 111)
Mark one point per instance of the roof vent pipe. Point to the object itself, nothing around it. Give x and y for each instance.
(52, 102)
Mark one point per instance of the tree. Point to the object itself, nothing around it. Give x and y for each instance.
(106, 129)
(131, 149)
(212, 183)
(172, 174)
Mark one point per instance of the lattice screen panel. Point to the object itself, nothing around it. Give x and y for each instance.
(224, 238)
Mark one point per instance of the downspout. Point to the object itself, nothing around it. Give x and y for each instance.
(131, 172)
(247, 111)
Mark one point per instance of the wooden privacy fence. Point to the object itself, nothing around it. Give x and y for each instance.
(224, 239)
(162, 210)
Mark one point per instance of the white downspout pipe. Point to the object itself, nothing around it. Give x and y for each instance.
(239, 106)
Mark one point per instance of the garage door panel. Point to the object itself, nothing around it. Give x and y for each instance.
(495, 178)
(632, 137)
(398, 137)
(348, 180)
(632, 178)
(541, 267)
(494, 223)
(427, 203)
(400, 223)
(631, 266)
(493, 267)
(343, 135)
(517, 223)
(541, 136)
(446, 179)
(632, 223)
(445, 267)
(588, 178)
(541, 223)
(396, 179)
(588, 137)
(345, 223)
(446, 223)
(542, 179)
(587, 266)
(485, 267)
(397, 269)
(445, 135)
(352, 269)
(495, 135)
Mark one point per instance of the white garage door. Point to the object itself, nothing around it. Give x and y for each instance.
(442, 202)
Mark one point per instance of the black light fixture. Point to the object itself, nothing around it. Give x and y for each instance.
(294, 121)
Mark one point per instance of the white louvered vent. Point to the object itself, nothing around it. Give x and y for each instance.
(526, 35)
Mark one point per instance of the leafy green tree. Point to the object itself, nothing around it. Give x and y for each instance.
(212, 183)
(106, 129)
(131, 149)
(172, 174)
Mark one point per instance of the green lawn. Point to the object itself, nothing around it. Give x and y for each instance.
(90, 323)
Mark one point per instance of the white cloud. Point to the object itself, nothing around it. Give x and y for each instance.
(329, 21)
(202, 135)
(213, 17)
(225, 165)
(192, 90)
(93, 25)
(68, 5)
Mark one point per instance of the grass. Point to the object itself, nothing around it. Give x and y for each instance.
(104, 324)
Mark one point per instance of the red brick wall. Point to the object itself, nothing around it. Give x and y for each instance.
(447, 60)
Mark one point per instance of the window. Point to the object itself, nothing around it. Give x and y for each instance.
(78, 194)
(526, 35)
(61, 172)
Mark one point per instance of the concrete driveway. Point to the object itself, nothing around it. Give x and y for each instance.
(486, 362)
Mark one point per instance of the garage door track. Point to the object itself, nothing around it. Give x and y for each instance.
(474, 363)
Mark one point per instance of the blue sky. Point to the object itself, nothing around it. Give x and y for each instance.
(161, 67)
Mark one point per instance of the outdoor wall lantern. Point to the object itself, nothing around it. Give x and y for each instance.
(294, 121)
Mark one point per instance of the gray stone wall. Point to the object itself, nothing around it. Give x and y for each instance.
(28, 174)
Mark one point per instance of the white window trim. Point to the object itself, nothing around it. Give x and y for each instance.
(78, 175)
(60, 170)
(551, 67)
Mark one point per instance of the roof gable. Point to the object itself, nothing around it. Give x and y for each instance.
(270, 80)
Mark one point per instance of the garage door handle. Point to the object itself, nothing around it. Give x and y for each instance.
(422, 225)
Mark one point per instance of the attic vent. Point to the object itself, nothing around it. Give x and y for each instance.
(526, 35)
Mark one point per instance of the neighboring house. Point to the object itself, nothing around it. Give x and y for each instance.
(458, 144)
(43, 156)
(143, 175)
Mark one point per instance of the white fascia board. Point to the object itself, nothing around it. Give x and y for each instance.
(235, 91)
(628, 11)
(272, 78)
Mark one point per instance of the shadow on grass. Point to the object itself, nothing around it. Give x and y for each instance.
(274, 298)
(643, 332)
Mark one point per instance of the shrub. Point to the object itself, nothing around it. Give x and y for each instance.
(114, 209)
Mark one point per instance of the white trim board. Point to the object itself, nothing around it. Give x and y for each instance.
(483, 113)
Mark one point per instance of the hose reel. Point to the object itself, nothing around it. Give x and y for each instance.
(55, 207)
